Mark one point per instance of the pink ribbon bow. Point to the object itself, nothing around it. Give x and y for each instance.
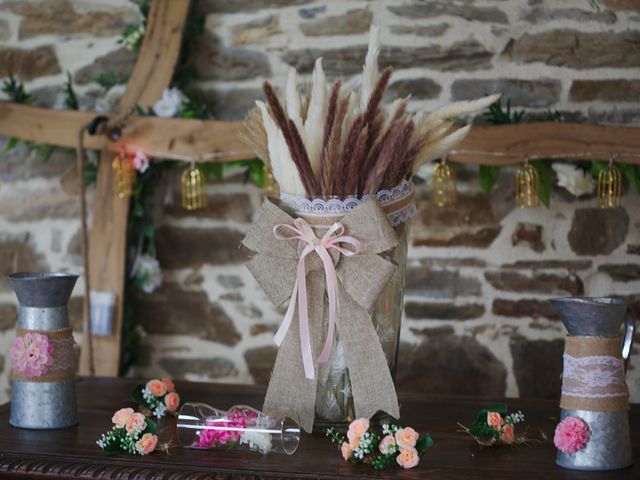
(330, 240)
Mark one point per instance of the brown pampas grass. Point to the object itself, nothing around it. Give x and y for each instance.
(342, 167)
(387, 151)
(255, 135)
(294, 142)
(353, 173)
(328, 129)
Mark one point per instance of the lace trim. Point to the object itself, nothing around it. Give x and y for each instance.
(334, 206)
(63, 354)
(593, 377)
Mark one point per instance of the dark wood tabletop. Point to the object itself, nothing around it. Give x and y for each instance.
(73, 453)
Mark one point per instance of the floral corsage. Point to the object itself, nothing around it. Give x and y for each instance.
(157, 398)
(131, 433)
(493, 425)
(392, 445)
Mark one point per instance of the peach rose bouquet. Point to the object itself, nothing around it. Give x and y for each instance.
(131, 433)
(494, 426)
(157, 398)
(390, 445)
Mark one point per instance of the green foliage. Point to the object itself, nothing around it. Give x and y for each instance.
(545, 172)
(70, 97)
(425, 441)
(480, 428)
(632, 172)
(381, 461)
(497, 116)
(108, 80)
(195, 107)
(488, 175)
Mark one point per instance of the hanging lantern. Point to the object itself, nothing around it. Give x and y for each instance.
(609, 186)
(193, 191)
(444, 191)
(271, 187)
(124, 175)
(527, 186)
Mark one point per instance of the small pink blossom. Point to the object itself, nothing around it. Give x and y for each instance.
(572, 434)
(121, 417)
(407, 437)
(408, 458)
(508, 434)
(357, 429)
(225, 430)
(146, 444)
(31, 354)
(136, 423)
(387, 445)
(494, 419)
(346, 451)
(140, 161)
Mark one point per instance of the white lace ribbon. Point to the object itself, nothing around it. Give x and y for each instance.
(596, 376)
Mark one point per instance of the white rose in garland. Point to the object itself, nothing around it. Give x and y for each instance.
(148, 273)
(574, 179)
(169, 105)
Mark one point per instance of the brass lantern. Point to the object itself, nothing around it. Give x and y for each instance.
(443, 190)
(609, 186)
(194, 196)
(124, 175)
(527, 186)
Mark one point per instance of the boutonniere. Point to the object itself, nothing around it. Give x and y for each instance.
(494, 425)
(157, 398)
(131, 433)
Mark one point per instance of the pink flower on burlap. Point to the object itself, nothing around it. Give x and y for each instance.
(572, 434)
(31, 354)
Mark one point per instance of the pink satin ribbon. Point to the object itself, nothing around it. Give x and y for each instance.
(332, 239)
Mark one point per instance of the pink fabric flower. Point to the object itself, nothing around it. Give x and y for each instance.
(172, 401)
(169, 384)
(31, 354)
(346, 451)
(572, 434)
(408, 458)
(226, 429)
(387, 445)
(146, 444)
(157, 387)
(136, 423)
(121, 417)
(508, 434)
(407, 437)
(140, 161)
(494, 419)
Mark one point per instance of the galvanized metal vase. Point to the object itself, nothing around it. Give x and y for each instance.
(594, 388)
(44, 361)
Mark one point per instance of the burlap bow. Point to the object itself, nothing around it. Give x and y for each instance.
(361, 279)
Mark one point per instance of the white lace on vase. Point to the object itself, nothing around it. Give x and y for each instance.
(593, 377)
(329, 207)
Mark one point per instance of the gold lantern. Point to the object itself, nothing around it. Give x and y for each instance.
(124, 175)
(444, 185)
(609, 186)
(193, 191)
(271, 187)
(527, 186)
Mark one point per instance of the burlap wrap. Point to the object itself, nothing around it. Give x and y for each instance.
(361, 279)
(63, 356)
(593, 377)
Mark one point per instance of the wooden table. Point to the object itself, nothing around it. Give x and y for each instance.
(73, 453)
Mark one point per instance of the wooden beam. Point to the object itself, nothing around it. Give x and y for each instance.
(107, 242)
(181, 139)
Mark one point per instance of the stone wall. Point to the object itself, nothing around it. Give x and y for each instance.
(480, 272)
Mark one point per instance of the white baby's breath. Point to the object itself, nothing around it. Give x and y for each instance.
(574, 179)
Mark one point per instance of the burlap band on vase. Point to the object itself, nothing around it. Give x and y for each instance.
(360, 280)
(593, 378)
(63, 356)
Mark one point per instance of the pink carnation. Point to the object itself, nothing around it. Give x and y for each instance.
(226, 429)
(31, 354)
(572, 434)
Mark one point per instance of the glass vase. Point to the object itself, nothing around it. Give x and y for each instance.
(334, 402)
(202, 426)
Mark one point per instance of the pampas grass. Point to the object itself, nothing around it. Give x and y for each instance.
(335, 142)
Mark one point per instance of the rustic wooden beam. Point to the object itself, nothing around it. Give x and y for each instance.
(107, 242)
(217, 141)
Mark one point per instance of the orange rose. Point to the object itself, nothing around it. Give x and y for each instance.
(157, 388)
(494, 419)
(146, 444)
(346, 450)
(169, 384)
(121, 417)
(508, 434)
(136, 423)
(408, 458)
(172, 401)
(406, 437)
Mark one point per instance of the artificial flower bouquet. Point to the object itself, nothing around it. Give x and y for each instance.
(391, 445)
(131, 433)
(343, 162)
(157, 398)
(494, 425)
(571, 435)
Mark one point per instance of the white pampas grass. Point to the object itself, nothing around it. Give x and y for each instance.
(458, 109)
(316, 115)
(292, 101)
(370, 71)
(282, 166)
(440, 147)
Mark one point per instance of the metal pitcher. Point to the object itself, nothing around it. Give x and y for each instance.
(589, 320)
(45, 399)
